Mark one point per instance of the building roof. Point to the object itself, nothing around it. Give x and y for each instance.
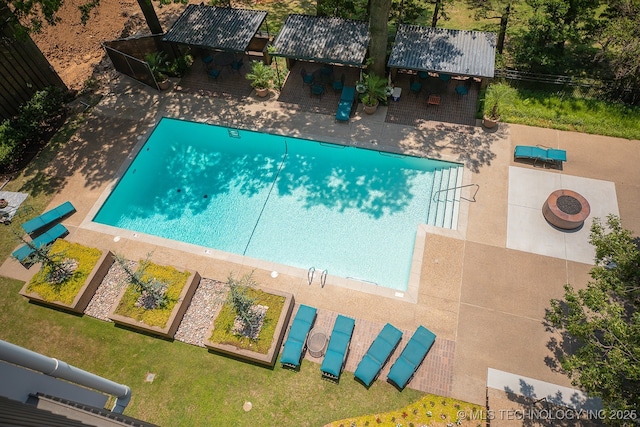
(213, 27)
(458, 52)
(323, 39)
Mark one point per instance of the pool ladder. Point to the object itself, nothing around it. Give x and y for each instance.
(323, 276)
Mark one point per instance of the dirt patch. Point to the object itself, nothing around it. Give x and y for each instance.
(75, 51)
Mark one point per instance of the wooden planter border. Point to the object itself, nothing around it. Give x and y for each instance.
(270, 358)
(174, 319)
(86, 292)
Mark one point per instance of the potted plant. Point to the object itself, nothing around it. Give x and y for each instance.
(158, 64)
(260, 76)
(375, 90)
(495, 97)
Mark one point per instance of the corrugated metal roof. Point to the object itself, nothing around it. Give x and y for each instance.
(470, 53)
(324, 39)
(213, 27)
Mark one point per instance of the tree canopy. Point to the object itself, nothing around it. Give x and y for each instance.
(600, 325)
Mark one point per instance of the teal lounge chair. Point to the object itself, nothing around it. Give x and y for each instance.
(411, 357)
(346, 103)
(545, 155)
(297, 339)
(378, 354)
(46, 238)
(338, 348)
(42, 221)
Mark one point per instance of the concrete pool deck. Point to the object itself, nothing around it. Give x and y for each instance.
(482, 289)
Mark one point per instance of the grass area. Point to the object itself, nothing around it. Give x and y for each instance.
(226, 319)
(192, 386)
(66, 291)
(564, 111)
(175, 282)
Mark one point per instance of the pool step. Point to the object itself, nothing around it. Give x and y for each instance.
(444, 205)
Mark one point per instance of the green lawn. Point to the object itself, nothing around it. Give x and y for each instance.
(561, 110)
(192, 386)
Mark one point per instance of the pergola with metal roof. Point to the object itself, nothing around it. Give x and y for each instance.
(439, 50)
(323, 39)
(216, 28)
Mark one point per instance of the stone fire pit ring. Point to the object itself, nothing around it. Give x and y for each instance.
(566, 209)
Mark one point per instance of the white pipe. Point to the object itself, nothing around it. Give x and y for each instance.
(59, 369)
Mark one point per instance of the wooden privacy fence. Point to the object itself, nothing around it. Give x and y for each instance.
(23, 68)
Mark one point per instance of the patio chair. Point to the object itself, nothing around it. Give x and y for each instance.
(462, 90)
(378, 354)
(338, 348)
(49, 217)
(540, 154)
(45, 239)
(236, 65)
(411, 357)
(338, 84)
(347, 98)
(297, 338)
(414, 86)
(214, 73)
(317, 90)
(207, 60)
(307, 78)
(444, 77)
(423, 75)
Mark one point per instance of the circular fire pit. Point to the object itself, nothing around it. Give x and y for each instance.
(566, 209)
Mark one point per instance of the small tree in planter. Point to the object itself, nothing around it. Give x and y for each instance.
(496, 96)
(152, 291)
(261, 77)
(248, 314)
(374, 91)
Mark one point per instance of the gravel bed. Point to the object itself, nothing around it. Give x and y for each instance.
(108, 291)
(205, 303)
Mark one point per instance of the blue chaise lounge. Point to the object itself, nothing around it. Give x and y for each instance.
(338, 348)
(378, 354)
(347, 98)
(44, 220)
(297, 339)
(545, 155)
(49, 236)
(411, 357)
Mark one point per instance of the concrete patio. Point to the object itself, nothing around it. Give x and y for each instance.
(483, 288)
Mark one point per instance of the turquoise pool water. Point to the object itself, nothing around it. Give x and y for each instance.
(297, 202)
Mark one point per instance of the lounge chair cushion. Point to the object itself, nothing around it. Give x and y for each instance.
(44, 239)
(338, 346)
(539, 153)
(411, 357)
(291, 354)
(38, 223)
(557, 155)
(293, 347)
(378, 354)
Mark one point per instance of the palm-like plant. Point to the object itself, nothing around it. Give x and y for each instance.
(375, 89)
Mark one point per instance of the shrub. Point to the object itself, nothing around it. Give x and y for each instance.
(174, 280)
(66, 291)
(26, 127)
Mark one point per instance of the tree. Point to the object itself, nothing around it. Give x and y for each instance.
(552, 24)
(439, 11)
(495, 9)
(601, 324)
(619, 37)
(378, 17)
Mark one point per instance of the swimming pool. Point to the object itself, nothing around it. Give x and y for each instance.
(291, 201)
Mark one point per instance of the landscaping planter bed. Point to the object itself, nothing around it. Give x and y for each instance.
(72, 295)
(269, 357)
(141, 319)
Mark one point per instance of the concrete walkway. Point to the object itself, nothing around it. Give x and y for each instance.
(484, 299)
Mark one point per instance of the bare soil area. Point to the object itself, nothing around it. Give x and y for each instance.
(75, 51)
